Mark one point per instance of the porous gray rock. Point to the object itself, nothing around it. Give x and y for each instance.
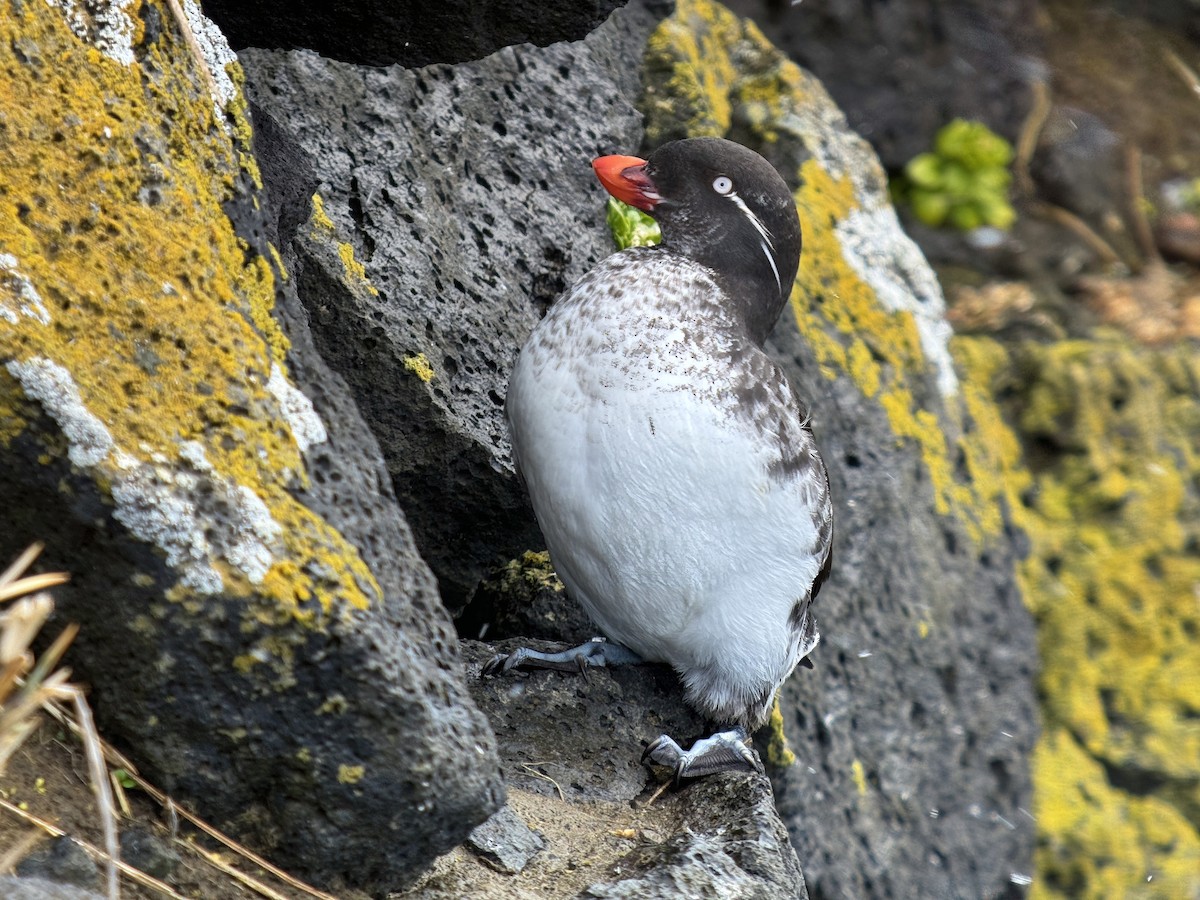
(466, 194)
(506, 842)
(61, 860)
(570, 748)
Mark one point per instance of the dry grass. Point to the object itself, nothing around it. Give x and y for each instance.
(33, 688)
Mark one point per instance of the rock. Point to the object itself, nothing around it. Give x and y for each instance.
(1178, 236)
(903, 69)
(1079, 165)
(146, 851)
(411, 33)
(257, 628)
(914, 731)
(456, 204)
(18, 888)
(570, 747)
(505, 842)
(63, 861)
(922, 619)
(524, 598)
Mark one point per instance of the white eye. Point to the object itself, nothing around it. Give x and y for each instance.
(722, 184)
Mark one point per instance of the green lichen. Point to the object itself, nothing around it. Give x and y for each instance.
(113, 180)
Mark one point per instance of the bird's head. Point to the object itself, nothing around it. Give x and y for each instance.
(722, 205)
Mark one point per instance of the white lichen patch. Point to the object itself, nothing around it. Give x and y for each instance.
(882, 255)
(216, 52)
(105, 24)
(196, 516)
(297, 410)
(18, 296)
(53, 387)
(873, 243)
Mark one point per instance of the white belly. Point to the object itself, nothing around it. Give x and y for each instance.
(663, 520)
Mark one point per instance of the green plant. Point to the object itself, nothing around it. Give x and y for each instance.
(631, 227)
(963, 182)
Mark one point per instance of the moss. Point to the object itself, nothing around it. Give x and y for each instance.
(114, 185)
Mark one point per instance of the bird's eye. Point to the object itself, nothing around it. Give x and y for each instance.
(722, 184)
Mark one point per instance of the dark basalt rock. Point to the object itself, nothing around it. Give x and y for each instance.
(902, 70)
(407, 32)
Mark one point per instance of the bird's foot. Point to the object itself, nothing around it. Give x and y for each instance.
(725, 751)
(596, 652)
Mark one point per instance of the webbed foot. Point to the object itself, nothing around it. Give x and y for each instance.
(725, 751)
(598, 652)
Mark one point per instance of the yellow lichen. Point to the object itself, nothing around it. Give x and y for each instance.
(320, 218)
(351, 774)
(859, 776)
(778, 752)
(418, 364)
(1097, 842)
(1113, 582)
(112, 184)
(324, 226)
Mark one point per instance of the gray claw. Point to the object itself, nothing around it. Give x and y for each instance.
(725, 751)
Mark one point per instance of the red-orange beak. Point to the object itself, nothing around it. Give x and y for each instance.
(625, 178)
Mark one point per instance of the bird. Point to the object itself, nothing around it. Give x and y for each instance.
(671, 466)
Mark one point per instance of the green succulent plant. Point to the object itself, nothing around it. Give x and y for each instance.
(963, 182)
(630, 226)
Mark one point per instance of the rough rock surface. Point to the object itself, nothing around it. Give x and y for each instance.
(914, 731)
(570, 748)
(903, 69)
(465, 204)
(258, 631)
(406, 32)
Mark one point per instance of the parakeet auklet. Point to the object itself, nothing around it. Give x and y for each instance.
(670, 464)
